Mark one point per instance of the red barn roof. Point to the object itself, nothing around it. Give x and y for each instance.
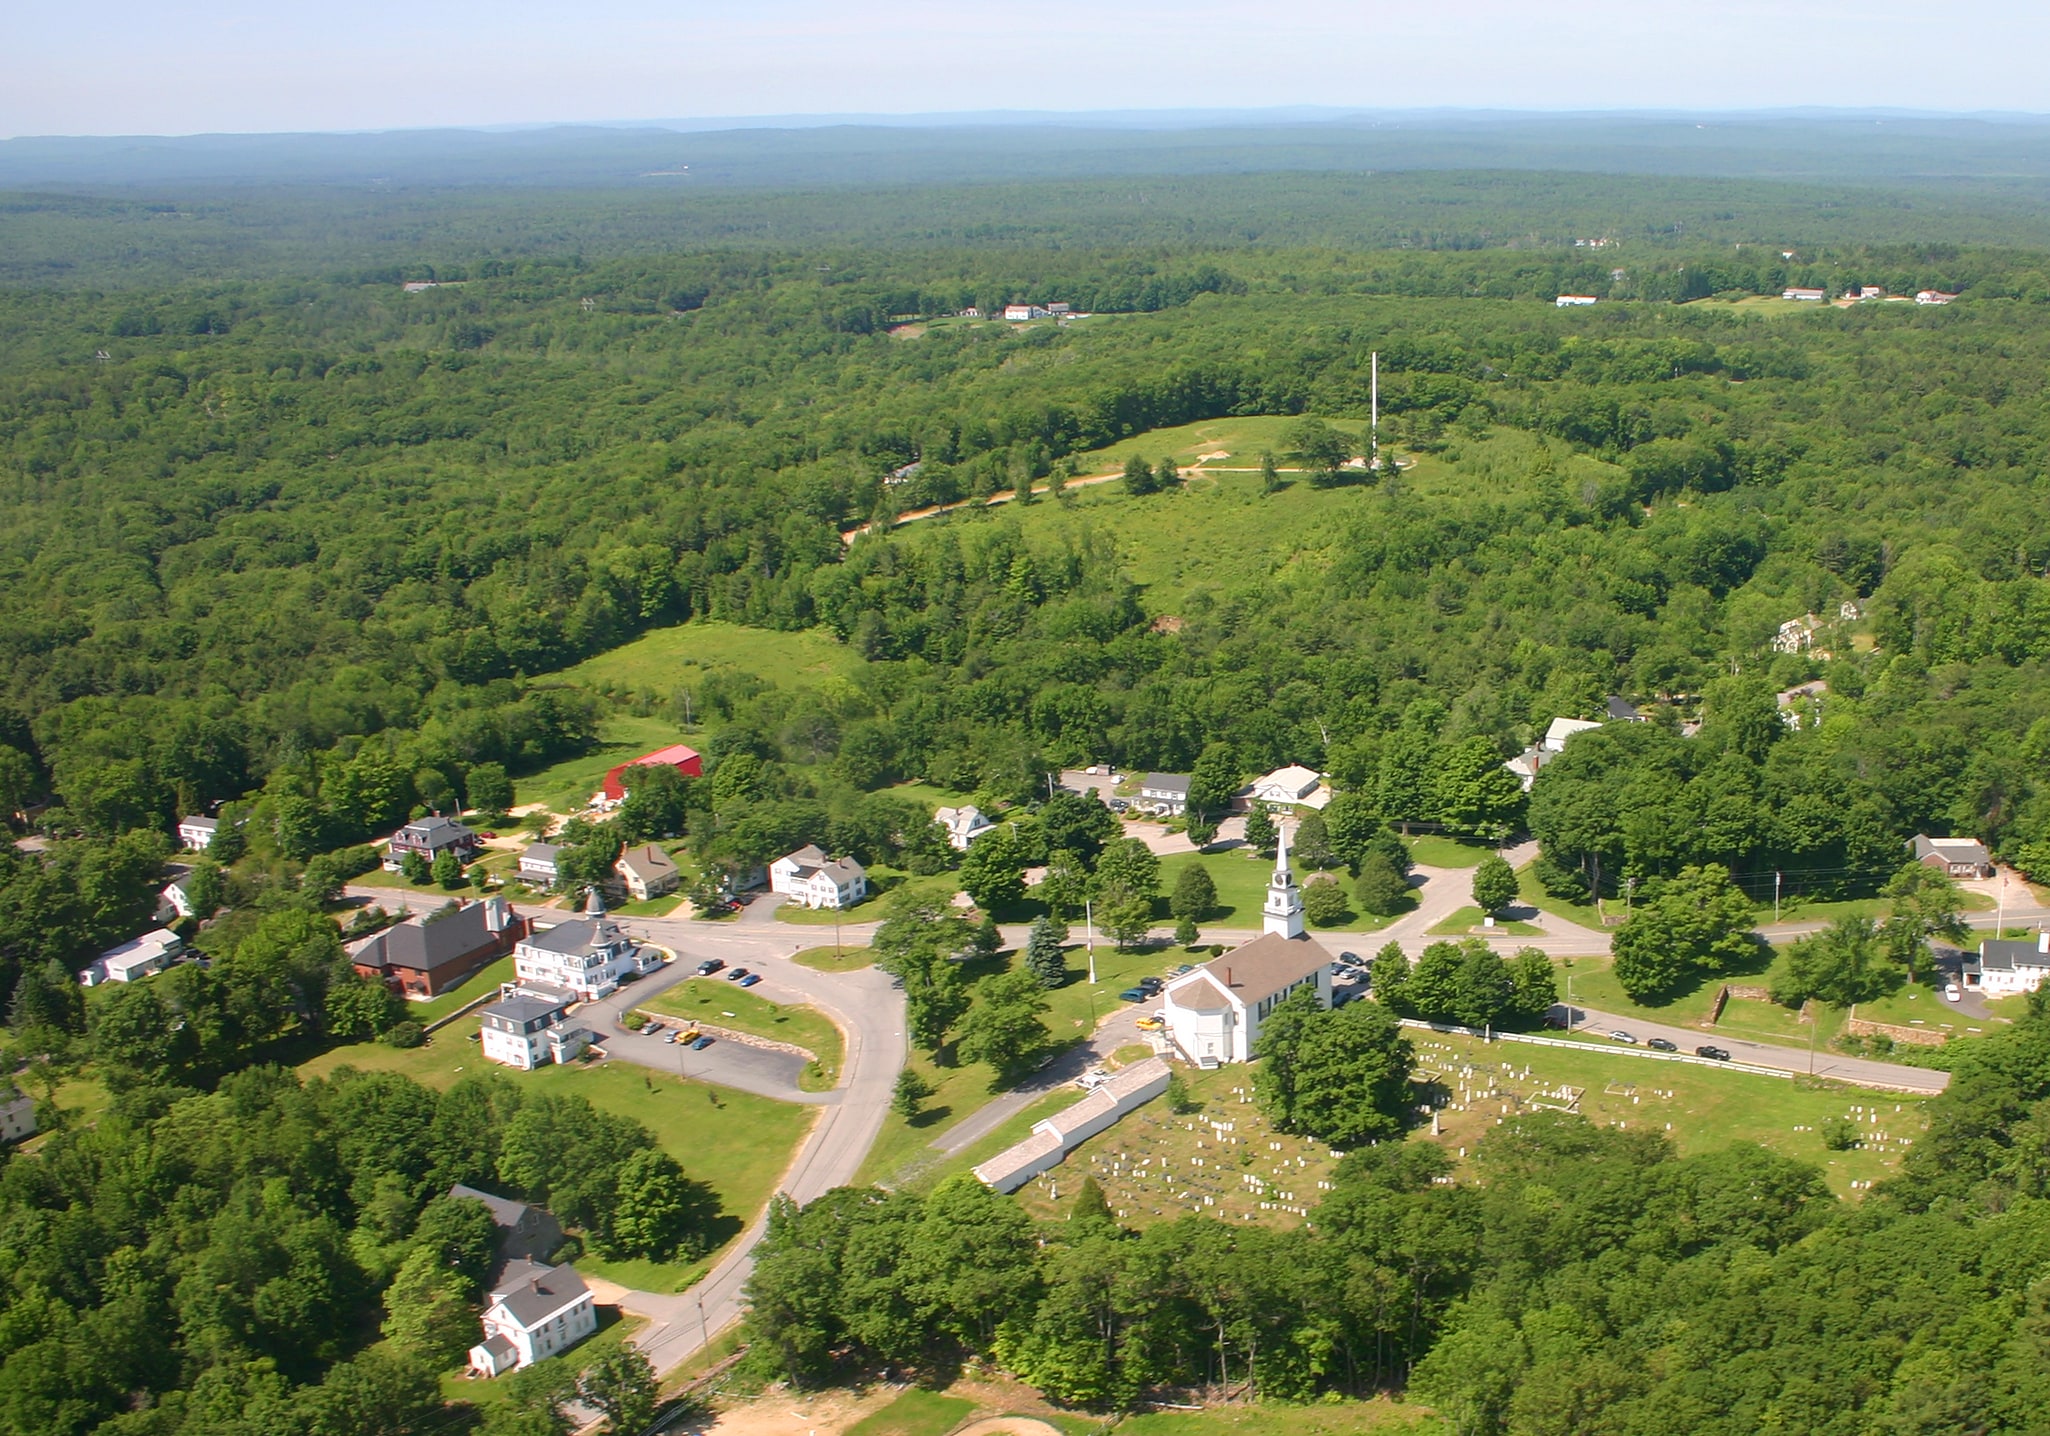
(684, 760)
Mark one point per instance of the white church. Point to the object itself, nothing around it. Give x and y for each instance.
(1214, 1012)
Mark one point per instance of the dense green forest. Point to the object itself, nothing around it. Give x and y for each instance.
(294, 545)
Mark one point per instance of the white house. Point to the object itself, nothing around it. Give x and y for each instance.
(1569, 301)
(529, 1027)
(647, 872)
(1054, 1137)
(817, 881)
(536, 1312)
(1933, 296)
(585, 957)
(537, 865)
(1527, 764)
(137, 958)
(1292, 787)
(964, 825)
(1018, 313)
(1563, 729)
(1166, 794)
(1802, 293)
(17, 1115)
(1214, 1012)
(175, 899)
(1796, 635)
(2005, 966)
(1801, 705)
(197, 834)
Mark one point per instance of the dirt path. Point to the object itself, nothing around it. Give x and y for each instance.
(817, 1413)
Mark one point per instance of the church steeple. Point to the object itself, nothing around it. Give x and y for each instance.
(1283, 913)
(594, 904)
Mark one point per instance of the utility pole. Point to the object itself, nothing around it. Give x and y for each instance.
(1089, 928)
(1776, 918)
(1374, 423)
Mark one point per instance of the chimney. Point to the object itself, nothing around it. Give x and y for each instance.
(496, 914)
(1227, 978)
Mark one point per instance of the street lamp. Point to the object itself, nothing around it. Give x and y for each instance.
(1089, 930)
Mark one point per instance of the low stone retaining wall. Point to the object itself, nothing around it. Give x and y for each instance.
(1857, 1026)
(728, 1034)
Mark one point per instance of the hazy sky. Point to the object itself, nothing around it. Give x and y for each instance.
(182, 66)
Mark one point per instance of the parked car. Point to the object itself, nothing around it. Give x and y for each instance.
(1185, 967)
(737, 974)
(709, 966)
(487, 836)
(1659, 1044)
(1619, 1035)
(1133, 994)
(671, 1038)
(1151, 984)
(1952, 992)
(704, 1041)
(1150, 1024)
(1715, 1054)
(1352, 959)
(653, 1029)
(751, 979)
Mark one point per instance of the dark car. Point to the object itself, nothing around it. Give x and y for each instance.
(737, 974)
(751, 979)
(1133, 994)
(1185, 967)
(1659, 1044)
(1716, 1054)
(702, 1043)
(1151, 984)
(709, 966)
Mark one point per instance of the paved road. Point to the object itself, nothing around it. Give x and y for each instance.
(1822, 1062)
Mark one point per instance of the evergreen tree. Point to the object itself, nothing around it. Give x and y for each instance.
(1195, 893)
(1043, 956)
(1260, 831)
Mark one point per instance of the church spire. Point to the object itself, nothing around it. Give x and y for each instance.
(1283, 913)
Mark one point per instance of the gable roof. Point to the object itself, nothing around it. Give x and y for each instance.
(437, 829)
(843, 870)
(524, 1007)
(1199, 992)
(1564, 728)
(541, 853)
(504, 1210)
(808, 856)
(1623, 709)
(203, 825)
(532, 1293)
(1955, 850)
(447, 934)
(647, 862)
(1295, 778)
(1259, 969)
(2007, 954)
(1176, 783)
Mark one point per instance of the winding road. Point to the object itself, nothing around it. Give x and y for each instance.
(869, 1011)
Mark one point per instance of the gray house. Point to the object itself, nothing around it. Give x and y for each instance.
(1166, 794)
(523, 1230)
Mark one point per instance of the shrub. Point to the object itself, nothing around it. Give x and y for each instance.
(404, 1034)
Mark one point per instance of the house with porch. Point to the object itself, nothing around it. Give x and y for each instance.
(586, 957)
(2005, 966)
(538, 865)
(808, 876)
(963, 824)
(1959, 857)
(536, 1312)
(430, 838)
(1166, 795)
(196, 834)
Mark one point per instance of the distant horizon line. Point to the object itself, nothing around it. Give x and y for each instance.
(1136, 119)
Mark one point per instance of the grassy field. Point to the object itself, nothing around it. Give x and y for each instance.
(830, 959)
(566, 786)
(1468, 919)
(736, 1143)
(1529, 893)
(1341, 1418)
(1922, 1005)
(708, 999)
(683, 656)
(1701, 1109)
(1595, 985)
(484, 980)
(1240, 878)
(1434, 851)
(915, 1413)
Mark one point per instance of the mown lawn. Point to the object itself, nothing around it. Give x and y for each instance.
(484, 980)
(915, 1413)
(725, 1004)
(1434, 851)
(1468, 919)
(835, 959)
(1241, 878)
(882, 881)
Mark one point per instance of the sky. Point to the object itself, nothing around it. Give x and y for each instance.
(195, 66)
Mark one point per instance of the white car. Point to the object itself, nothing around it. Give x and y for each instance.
(1953, 992)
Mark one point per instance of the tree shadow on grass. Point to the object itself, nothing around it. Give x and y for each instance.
(930, 1117)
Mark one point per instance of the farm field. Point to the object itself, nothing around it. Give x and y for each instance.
(685, 655)
(567, 785)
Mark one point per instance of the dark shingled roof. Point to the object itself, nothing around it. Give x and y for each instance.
(1266, 965)
(532, 1293)
(425, 943)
